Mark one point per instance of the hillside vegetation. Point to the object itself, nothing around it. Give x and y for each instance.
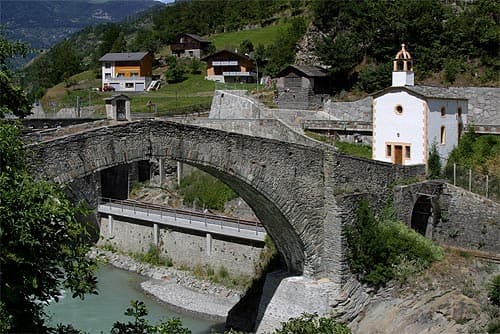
(451, 42)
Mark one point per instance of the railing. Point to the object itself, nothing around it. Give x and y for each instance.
(467, 178)
(189, 215)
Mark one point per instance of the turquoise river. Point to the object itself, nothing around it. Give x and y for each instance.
(97, 313)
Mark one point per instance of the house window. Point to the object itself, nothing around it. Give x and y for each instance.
(120, 75)
(407, 152)
(443, 111)
(129, 85)
(398, 109)
(134, 74)
(107, 75)
(191, 53)
(443, 135)
(107, 65)
(388, 150)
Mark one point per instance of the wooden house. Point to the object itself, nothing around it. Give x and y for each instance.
(302, 87)
(189, 45)
(126, 71)
(228, 66)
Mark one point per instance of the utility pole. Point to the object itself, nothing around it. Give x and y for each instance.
(78, 106)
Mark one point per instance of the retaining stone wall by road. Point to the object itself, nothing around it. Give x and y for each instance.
(233, 105)
(461, 218)
(184, 247)
(360, 110)
(468, 220)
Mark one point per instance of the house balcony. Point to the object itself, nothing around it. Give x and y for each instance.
(128, 79)
(184, 46)
(239, 74)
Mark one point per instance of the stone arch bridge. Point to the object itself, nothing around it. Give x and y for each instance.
(302, 194)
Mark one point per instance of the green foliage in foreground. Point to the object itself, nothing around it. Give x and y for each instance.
(382, 249)
(206, 191)
(139, 325)
(312, 323)
(43, 247)
(494, 290)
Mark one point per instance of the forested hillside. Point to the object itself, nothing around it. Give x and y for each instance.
(43, 23)
(452, 42)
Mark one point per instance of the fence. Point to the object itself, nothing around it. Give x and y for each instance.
(467, 178)
(187, 215)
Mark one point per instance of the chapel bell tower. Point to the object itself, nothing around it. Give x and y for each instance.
(402, 73)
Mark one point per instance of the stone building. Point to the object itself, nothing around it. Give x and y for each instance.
(302, 87)
(118, 108)
(408, 120)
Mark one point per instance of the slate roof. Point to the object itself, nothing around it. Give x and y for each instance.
(198, 38)
(308, 71)
(483, 102)
(130, 56)
(436, 92)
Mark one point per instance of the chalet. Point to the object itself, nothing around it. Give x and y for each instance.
(189, 45)
(408, 119)
(302, 87)
(126, 71)
(228, 66)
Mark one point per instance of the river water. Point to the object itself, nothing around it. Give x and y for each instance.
(98, 313)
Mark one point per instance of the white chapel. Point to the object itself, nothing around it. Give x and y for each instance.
(409, 119)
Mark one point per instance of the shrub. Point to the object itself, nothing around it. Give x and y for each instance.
(312, 323)
(434, 163)
(206, 190)
(153, 257)
(382, 249)
(494, 290)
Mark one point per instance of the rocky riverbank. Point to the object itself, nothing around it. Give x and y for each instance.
(177, 288)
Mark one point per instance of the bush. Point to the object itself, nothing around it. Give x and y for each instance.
(382, 249)
(312, 323)
(153, 257)
(206, 191)
(434, 163)
(494, 290)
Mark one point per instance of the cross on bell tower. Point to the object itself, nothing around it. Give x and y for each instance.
(402, 73)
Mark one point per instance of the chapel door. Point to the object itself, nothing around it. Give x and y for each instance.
(398, 154)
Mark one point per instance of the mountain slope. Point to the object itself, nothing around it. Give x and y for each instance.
(43, 23)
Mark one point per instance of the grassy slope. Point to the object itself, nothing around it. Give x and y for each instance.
(231, 40)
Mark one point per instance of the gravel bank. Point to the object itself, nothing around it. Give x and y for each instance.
(177, 288)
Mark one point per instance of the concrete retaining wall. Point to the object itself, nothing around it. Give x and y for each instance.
(184, 247)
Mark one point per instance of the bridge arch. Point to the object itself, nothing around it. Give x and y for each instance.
(281, 182)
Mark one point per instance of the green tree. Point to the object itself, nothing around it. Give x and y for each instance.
(139, 325)
(44, 247)
(434, 163)
(175, 71)
(312, 323)
(120, 45)
(246, 46)
(12, 97)
(380, 249)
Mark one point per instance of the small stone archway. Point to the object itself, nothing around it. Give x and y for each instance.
(423, 216)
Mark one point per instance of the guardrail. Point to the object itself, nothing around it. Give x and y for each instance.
(163, 211)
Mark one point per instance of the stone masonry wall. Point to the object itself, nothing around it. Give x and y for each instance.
(184, 247)
(461, 218)
(468, 221)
